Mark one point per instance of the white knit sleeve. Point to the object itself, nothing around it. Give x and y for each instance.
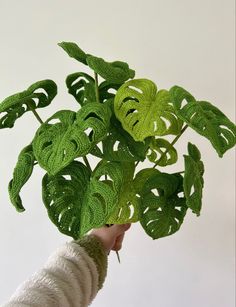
(70, 278)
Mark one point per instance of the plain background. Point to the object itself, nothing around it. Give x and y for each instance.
(184, 42)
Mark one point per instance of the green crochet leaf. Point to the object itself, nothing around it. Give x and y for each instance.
(102, 195)
(82, 87)
(63, 196)
(21, 174)
(67, 135)
(114, 72)
(162, 152)
(204, 118)
(74, 51)
(38, 95)
(107, 90)
(127, 209)
(145, 112)
(162, 210)
(193, 179)
(141, 178)
(120, 146)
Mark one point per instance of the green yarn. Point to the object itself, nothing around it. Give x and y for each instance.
(73, 135)
(205, 119)
(145, 112)
(193, 178)
(121, 122)
(21, 174)
(38, 95)
(158, 152)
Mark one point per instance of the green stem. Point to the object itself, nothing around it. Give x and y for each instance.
(36, 114)
(136, 164)
(172, 143)
(96, 87)
(87, 163)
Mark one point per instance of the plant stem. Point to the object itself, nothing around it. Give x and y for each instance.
(96, 87)
(172, 143)
(136, 164)
(87, 163)
(36, 114)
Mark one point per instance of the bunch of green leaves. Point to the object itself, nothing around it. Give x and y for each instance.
(122, 121)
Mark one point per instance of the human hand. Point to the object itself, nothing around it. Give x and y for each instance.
(111, 237)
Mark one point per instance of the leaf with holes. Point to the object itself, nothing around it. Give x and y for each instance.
(22, 172)
(162, 153)
(74, 51)
(73, 135)
(141, 178)
(107, 90)
(193, 179)
(204, 118)
(82, 87)
(38, 95)
(102, 195)
(145, 112)
(63, 196)
(127, 209)
(114, 72)
(162, 210)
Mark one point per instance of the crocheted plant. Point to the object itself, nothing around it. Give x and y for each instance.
(122, 121)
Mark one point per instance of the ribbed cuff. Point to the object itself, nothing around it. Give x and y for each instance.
(96, 251)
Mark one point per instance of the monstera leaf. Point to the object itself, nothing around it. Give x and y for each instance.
(145, 112)
(162, 153)
(127, 209)
(38, 95)
(21, 174)
(107, 90)
(63, 195)
(74, 51)
(73, 135)
(162, 210)
(204, 118)
(114, 72)
(193, 179)
(82, 87)
(77, 202)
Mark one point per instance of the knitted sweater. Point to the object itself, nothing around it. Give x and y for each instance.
(71, 277)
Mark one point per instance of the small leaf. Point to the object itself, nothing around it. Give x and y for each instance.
(107, 90)
(114, 72)
(73, 135)
(127, 209)
(21, 174)
(38, 95)
(204, 118)
(74, 51)
(145, 112)
(162, 152)
(193, 179)
(82, 87)
(162, 210)
(63, 196)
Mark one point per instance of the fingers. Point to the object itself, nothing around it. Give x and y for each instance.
(118, 244)
(119, 229)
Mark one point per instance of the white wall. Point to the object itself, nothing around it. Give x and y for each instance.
(184, 42)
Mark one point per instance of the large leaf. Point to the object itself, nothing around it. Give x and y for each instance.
(21, 174)
(162, 153)
(127, 209)
(67, 135)
(162, 209)
(38, 95)
(114, 72)
(77, 202)
(82, 87)
(204, 118)
(74, 51)
(145, 112)
(193, 179)
(63, 195)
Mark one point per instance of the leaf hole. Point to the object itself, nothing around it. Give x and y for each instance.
(116, 146)
(181, 194)
(67, 177)
(89, 133)
(46, 144)
(155, 192)
(135, 89)
(54, 121)
(184, 103)
(112, 91)
(130, 98)
(166, 122)
(93, 115)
